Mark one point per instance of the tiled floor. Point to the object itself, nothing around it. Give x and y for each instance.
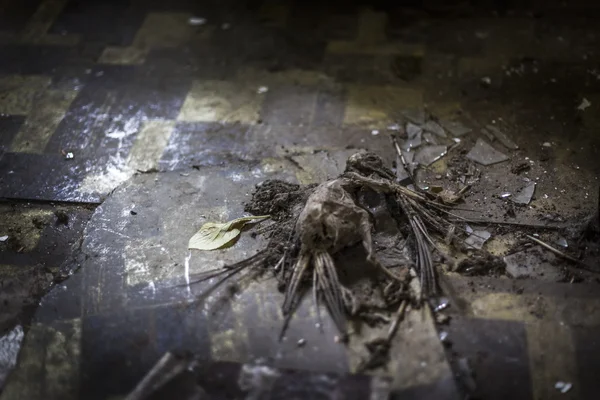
(138, 94)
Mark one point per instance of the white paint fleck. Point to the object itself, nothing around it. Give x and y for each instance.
(186, 265)
(196, 21)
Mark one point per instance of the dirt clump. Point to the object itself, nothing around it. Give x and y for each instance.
(482, 263)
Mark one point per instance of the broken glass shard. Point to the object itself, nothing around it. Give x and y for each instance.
(401, 172)
(524, 195)
(477, 239)
(562, 242)
(412, 143)
(435, 128)
(485, 154)
(502, 138)
(430, 154)
(429, 138)
(412, 130)
(455, 128)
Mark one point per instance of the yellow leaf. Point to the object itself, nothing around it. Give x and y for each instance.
(212, 236)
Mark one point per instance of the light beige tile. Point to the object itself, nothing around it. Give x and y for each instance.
(150, 144)
(48, 111)
(376, 106)
(18, 92)
(122, 56)
(221, 101)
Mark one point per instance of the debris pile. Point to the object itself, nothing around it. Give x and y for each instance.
(314, 223)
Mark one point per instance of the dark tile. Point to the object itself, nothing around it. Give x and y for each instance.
(111, 109)
(42, 177)
(121, 348)
(289, 105)
(451, 38)
(306, 385)
(407, 25)
(110, 22)
(444, 389)
(406, 68)
(216, 378)
(587, 352)
(263, 323)
(306, 20)
(15, 14)
(357, 68)
(340, 27)
(495, 349)
(9, 127)
(202, 61)
(329, 108)
(323, 138)
(63, 302)
(212, 10)
(33, 60)
(209, 144)
(104, 276)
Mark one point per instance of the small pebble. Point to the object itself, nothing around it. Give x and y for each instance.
(262, 90)
(3, 238)
(374, 132)
(547, 144)
(133, 212)
(69, 156)
(301, 342)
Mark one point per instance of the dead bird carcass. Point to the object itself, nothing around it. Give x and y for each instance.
(313, 223)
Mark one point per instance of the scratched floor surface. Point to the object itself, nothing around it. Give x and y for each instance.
(176, 109)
